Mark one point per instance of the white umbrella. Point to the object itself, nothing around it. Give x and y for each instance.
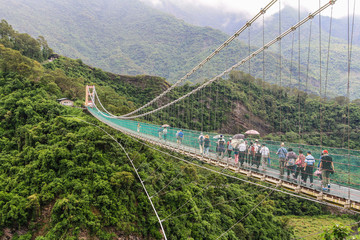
(166, 125)
(217, 136)
(252, 132)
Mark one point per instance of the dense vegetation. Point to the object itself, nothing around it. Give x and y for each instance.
(37, 49)
(212, 109)
(128, 37)
(63, 178)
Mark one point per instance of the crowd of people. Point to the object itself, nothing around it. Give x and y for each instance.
(298, 167)
(253, 154)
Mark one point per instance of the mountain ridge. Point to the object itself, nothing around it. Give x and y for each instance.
(130, 38)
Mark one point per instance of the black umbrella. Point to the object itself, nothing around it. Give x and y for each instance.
(238, 136)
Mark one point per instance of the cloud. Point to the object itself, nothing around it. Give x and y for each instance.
(252, 7)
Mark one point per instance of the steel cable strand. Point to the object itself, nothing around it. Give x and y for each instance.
(200, 209)
(328, 53)
(138, 175)
(272, 171)
(293, 28)
(350, 41)
(208, 58)
(175, 178)
(191, 198)
(247, 214)
(243, 180)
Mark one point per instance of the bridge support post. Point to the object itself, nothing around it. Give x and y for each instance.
(88, 102)
(279, 183)
(320, 196)
(298, 189)
(347, 204)
(263, 178)
(249, 174)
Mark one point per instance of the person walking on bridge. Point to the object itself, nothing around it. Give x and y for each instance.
(179, 137)
(160, 130)
(138, 127)
(327, 167)
(309, 168)
(207, 145)
(257, 153)
(221, 147)
(281, 152)
(300, 164)
(290, 163)
(229, 148)
(201, 143)
(242, 152)
(265, 154)
(164, 132)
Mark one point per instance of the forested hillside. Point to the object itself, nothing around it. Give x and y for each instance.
(128, 37)
(61, 178)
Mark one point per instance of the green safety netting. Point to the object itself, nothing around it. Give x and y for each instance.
(340, 156)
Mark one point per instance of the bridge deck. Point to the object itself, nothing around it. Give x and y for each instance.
(338, 195)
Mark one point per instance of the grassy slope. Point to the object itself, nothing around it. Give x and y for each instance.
(306, 225)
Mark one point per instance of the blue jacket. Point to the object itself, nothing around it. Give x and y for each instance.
(282, 152)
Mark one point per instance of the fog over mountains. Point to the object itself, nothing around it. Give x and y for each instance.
(131, 37)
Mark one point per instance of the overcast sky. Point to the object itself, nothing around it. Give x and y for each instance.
(253, 6)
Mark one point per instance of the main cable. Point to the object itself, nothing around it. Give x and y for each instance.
(291, 29)
(208, 58)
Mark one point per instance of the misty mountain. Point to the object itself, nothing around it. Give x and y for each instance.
(129, 37)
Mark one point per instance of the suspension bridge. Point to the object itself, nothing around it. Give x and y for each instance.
(345, 191)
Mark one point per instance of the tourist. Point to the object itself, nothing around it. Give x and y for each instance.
(290, 160)
(201, 143)
(242, 151)
(326, 167)
(265, 155)
(138, 127)
(221, 147)
(207, 145)
(179, 137)
(309, 168)
(300, 164)
(229, 148)
(281, 152)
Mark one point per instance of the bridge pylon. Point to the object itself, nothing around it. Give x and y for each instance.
(89, 102)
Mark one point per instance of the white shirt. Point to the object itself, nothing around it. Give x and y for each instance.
(242, 147)
(264, 151)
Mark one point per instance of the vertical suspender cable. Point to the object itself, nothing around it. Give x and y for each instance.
(249, 38)
(263, 41)
(350, 39)
(202, 101)
(291, 57)
(328, 53)
(216, 105)
(320, 80)
(280, 66)
(299, 69)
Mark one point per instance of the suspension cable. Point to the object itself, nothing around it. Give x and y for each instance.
(247, 214)
(328, 53)
(208, 58)
(350, 41)
(291, 29)
(137, 173)
(280, 67)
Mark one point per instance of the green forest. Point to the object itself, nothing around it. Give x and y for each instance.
(62, 178)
